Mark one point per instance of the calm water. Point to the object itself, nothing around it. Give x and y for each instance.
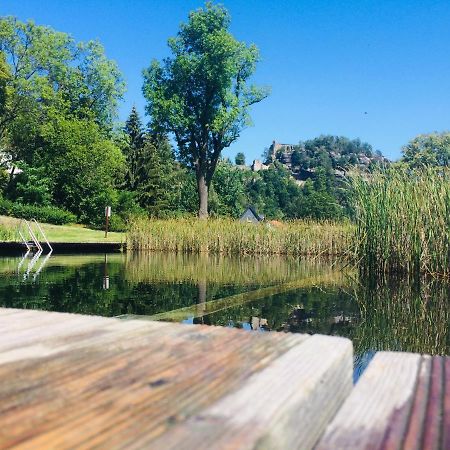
(256, 294)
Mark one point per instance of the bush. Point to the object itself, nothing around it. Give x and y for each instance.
(47, 214)
(116, 223)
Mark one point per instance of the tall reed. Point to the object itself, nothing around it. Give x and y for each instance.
(403, 221)
(231, 237)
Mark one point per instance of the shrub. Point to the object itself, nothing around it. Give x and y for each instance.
(47, 214)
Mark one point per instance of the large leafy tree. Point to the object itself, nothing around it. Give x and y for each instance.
(83, 165)
(201, 93)
(428, 150)
(49, 73)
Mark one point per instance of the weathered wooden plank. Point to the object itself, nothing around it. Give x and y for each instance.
(285, 406)
(434, 413)
(107, 383)
(446, 406)
(414, 434)
(398, 403)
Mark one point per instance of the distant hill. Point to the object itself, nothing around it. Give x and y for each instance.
(335, 154)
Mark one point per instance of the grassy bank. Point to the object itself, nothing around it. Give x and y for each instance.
(59, 233)
(403, 221)
(231, 237)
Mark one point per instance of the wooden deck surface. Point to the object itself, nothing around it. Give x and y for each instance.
(83, 382)
(401, 402)
(70, 381)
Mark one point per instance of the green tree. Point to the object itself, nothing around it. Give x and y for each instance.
(52, 74)
(133, 150)
(85, 167)
(201, 93)
(240, 159)
(428, 150)
(228, 184)
(158, 185)
(4, 77)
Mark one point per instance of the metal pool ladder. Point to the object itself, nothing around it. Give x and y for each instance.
(30, 240)
(30, 237)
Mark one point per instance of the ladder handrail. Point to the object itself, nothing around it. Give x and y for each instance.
(35, 240)
(43, 234)
(23, 238)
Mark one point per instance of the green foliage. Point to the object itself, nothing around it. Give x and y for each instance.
(56, 124)
(133, 150)
(32, 186)
(4, 76)
(332, 152)
(158, 184)
(84, 167)
(272, 191)
(402, 220)
(240, 159)
(428, 150)
(51, 72)
(201, 93)
(228, 186)
(47, 214)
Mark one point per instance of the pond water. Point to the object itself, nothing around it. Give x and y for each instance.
(256, 294)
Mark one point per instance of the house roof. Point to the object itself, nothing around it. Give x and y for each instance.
(251, 208)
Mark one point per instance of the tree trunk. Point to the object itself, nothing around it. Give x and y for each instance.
(202, 197)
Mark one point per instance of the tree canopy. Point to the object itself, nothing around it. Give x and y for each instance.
(428, 150)
(58, 103)
(201, 93)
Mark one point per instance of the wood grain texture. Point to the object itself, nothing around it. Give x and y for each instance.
(399, 403)
(70, 381)
(285, 406)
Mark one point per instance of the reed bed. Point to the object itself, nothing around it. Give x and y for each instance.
(403, 221)
(231, 237)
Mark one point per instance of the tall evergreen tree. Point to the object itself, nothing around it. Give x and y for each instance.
(134, 150)
(158, 186)
(4, 75)
(240, 159)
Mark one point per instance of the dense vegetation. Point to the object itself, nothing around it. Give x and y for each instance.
(402, 221)
(225, 236)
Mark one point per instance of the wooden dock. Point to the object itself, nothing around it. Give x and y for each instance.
(83, 382)
(18, 248)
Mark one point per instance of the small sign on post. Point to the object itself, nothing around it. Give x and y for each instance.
(107, 216)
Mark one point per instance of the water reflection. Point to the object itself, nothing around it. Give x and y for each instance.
(256, 294)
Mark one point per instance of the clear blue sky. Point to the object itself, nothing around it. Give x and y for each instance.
(328, 61)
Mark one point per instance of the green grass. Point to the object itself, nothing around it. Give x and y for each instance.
(403, 221)
(231, 237)
(60, 233)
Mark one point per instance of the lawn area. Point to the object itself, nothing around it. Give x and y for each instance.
(66, 233)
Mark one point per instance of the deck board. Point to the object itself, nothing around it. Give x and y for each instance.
(400, 402)
(71, 381)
